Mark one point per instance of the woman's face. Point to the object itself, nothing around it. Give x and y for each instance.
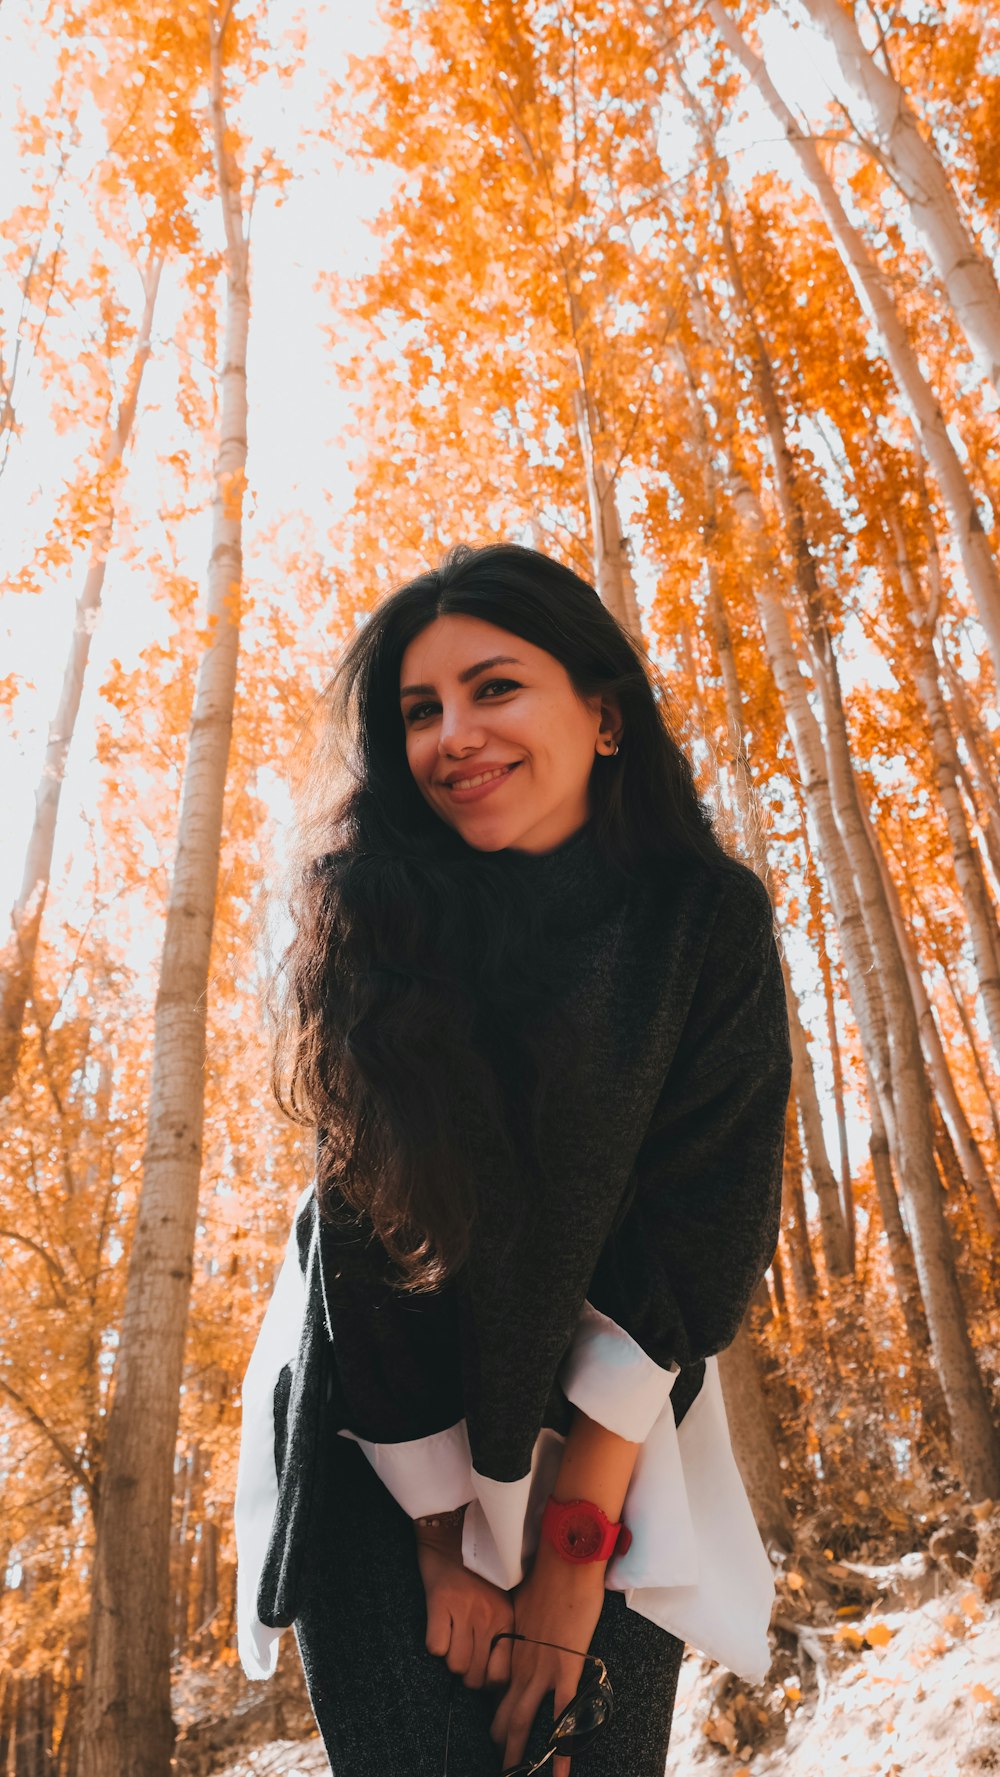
(465, 712)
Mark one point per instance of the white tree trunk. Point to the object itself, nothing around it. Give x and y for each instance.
(833, 1233)
(836, 1061)
(916, 169)
(905, 1278)
(794, 1221)
(17, 961)
(128, 1728)
(966, 1146)
(612, 571)
(979, 783)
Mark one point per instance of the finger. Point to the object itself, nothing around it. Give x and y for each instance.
(516, 1682)
(498, 1665)
(460, 1651)
(498, 1726)
(438, 1636)
(475, 1676)
(563, 1698)
(519, 1725)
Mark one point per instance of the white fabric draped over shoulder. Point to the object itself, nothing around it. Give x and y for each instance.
(696, 1564)
(257, 1470)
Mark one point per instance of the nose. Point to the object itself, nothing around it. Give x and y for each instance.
(460, 731)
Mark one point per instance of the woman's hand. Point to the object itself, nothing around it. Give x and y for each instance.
(464, 1612)
(558, 1601)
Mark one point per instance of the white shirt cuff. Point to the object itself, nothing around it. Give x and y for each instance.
(424, 1475)
(609, 1377)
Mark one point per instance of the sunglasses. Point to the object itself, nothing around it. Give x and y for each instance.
(575, 1727)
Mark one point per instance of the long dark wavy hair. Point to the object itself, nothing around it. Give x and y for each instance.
(403, 1008)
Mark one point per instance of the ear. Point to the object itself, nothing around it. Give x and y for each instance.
(611, 724)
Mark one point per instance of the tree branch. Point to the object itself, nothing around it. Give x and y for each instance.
(66, 1455)
(50, 1260)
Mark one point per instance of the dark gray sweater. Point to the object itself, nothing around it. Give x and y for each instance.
(664, 1148)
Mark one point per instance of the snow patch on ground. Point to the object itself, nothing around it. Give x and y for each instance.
(924, 1701)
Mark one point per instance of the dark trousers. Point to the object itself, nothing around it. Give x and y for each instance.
(381, 1701)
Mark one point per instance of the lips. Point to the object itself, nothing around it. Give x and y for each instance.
(493, 770)
(476, 793)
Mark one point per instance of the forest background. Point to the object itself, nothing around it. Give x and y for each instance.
(701, 298)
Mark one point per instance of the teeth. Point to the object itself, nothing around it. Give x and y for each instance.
(469, 783)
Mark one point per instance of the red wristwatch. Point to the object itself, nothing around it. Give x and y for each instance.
(579, 1531)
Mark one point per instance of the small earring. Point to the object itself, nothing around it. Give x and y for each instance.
(612, 750)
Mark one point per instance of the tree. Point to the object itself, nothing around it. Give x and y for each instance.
(17, 961)
(960, 499)
(904, 1086)
(916, 168)
(128, 1724)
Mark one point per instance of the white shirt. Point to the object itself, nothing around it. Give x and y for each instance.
(696, 1564)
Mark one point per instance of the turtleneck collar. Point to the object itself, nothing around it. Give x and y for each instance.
(573, 881)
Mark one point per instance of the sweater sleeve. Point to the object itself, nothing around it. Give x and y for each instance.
(677, 1273)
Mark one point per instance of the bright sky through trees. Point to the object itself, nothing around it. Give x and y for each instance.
(293, 393)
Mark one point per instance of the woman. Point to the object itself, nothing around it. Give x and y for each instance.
(536, 1016)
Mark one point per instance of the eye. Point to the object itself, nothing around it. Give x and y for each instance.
(414, 713)
(510, 684)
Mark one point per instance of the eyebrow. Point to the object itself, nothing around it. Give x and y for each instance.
(465, 675)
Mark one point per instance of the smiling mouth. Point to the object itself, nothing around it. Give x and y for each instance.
(483, 777)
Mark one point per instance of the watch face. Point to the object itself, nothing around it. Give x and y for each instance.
(581, 1534)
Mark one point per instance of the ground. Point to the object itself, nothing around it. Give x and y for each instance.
(919, 1697)
(908, 1686)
